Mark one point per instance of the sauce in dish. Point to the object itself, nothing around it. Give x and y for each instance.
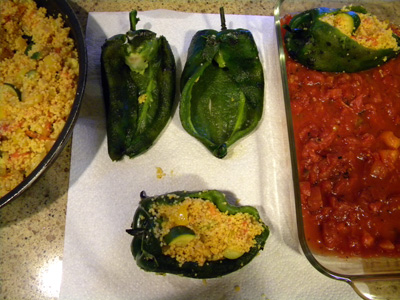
(347, 135)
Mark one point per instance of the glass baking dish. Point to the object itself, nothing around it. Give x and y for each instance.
(371, 278)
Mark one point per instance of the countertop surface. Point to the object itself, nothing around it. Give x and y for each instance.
(32, 226)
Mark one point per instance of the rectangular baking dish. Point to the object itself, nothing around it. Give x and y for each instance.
(372, 278)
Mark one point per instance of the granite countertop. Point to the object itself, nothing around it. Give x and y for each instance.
(32, 226)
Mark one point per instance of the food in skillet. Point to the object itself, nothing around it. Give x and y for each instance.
(222, 87)
(195, 234)
(347, 136)
(138, 72)
(340, 40)
(38, 79)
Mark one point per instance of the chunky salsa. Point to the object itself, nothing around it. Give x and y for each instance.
(347, 135)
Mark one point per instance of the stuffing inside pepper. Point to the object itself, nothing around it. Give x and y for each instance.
(217, 235)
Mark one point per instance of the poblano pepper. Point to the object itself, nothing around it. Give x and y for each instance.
(139, 78)
(148, 251)
(320, 46)
(222, 87)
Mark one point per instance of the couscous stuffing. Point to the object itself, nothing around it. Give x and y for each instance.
(371, 33)
(215, 233)
(38, 79)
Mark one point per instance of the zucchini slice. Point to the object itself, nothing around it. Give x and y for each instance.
(230, 253)
(349, 21)
(179, 236)
(8, 88)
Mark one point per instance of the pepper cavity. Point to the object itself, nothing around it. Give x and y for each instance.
(222, 87)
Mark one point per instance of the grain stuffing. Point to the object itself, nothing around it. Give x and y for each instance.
(196, 234)
(38, 80)
(371, 33)
(217, 235)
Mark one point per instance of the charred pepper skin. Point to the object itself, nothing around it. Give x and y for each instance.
(146, 247)
(139, 82)
(322, 47)
(222, 87)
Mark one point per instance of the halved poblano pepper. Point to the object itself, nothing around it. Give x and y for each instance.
(139, 77)
(147, 248)
(320, 46)
(222, 87)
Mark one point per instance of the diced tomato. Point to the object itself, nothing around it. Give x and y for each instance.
(367, 239)
(390, 139)
(330, 234)
(389, 157)
(378, 170)
(315, 199)
(387, 245)
(305, 188)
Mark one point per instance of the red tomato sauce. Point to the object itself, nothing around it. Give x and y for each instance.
(347, 135)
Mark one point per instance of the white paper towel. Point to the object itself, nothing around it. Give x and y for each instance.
(103, 195)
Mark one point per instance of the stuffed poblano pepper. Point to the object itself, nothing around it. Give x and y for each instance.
(139, 78)
(195, 234)
(222, 87)
(340, 40)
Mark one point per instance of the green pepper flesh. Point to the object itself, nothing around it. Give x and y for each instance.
(139, 75)
(222, 88)
(322, 47)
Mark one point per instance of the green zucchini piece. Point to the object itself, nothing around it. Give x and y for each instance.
(350, 20)
(31, 74)
(36, 55)
(179, 236)
(29, 43)
(232, 253)
(10, 88)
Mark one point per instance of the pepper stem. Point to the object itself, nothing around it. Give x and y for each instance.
(135, 232)
(133, 19)
(222, 15)
(143, 195)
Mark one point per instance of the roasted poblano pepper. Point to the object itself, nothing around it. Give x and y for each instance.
(222, 87)
(323, 47)
(139, 78)
(147, 249)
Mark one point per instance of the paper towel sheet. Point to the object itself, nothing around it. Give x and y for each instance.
(103, 195)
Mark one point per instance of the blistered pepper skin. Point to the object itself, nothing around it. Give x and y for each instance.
(222, 88)
(146, 247)
(322, 47)
(139, 80)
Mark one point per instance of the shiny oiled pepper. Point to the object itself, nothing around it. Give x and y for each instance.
(147, 251)
(222, 87)
(139, 79)
(323, 47)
